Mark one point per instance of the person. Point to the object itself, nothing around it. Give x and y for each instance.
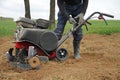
(77, 9)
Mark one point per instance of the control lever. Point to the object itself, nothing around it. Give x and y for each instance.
(101, 17)
(86, 24)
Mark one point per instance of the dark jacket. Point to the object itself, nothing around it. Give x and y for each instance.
(62, 3)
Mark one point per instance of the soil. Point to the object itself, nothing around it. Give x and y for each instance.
(100, 60)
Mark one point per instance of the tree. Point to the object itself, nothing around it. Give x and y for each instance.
(27, 9)
(52, 13)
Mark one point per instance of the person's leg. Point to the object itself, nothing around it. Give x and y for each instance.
(76, 42)
(60, 25)
(77, 35)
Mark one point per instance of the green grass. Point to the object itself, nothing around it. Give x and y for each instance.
(99, 27)
(7, 27)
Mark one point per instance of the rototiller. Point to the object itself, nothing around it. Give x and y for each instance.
(35, 43)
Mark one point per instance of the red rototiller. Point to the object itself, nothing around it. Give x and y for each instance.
(34, 42)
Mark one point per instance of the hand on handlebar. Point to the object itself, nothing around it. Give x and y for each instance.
(81, 21)
(72, 20)
(80, 18)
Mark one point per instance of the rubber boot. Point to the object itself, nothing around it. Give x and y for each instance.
(76, 46)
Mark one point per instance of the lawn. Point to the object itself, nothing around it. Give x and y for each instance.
(99, 27)
(7, 27)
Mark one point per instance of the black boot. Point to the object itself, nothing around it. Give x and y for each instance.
(76, 46)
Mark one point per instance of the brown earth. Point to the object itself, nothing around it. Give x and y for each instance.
(100, 60)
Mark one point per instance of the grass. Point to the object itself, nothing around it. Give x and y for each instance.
(7, 27)
(99, 27)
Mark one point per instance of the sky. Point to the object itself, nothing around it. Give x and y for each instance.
(40, 8)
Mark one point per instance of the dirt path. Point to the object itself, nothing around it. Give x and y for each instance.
(100, 60)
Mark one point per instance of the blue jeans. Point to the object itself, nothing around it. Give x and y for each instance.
(74, 11)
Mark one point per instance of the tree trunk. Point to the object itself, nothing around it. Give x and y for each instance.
(27, 9)
(52, 13)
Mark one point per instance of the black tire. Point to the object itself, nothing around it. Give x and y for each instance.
(61, 54)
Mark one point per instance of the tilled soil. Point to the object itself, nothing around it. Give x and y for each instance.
(100, 60)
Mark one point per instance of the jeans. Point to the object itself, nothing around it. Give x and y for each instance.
(74, 11)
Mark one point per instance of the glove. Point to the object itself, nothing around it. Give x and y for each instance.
(80, 18)
(72, 20)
